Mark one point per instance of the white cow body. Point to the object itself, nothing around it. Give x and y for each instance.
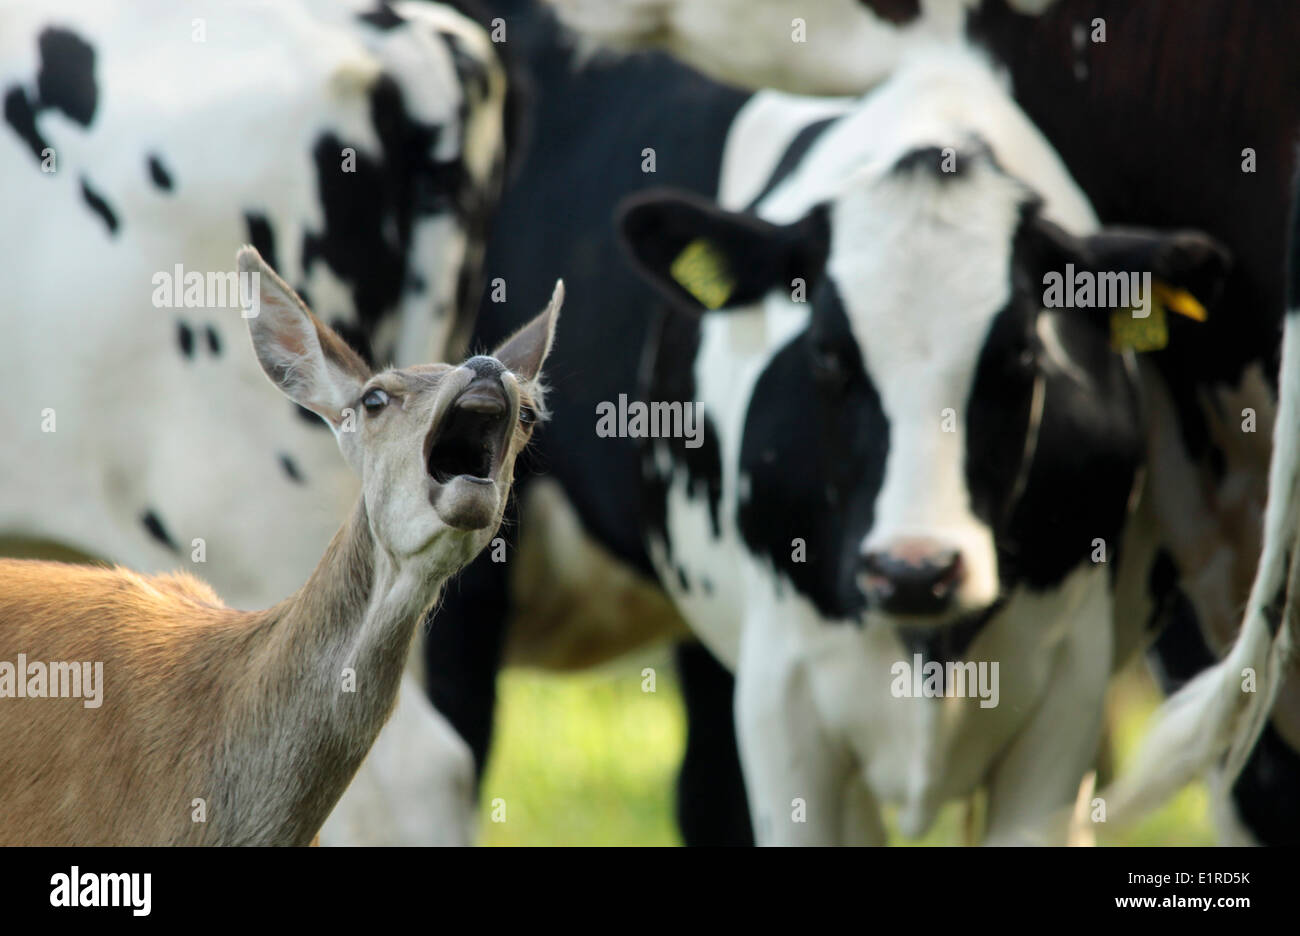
(814, 47)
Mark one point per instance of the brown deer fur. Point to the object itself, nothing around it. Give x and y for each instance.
(246, 711)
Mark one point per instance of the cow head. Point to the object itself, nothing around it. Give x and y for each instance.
(930, 430)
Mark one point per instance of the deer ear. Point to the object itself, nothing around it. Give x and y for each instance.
(524, 352)
(305, 358)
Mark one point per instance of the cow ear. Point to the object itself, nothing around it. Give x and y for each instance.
(301, 355)
(1188, 269)
(1186, 261)
(704, 257)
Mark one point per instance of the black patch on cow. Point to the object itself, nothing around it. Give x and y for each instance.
(99, 206)
(382, 17)
(1138, 171)
(291, 469)
(185, 338)
(354, 336)
(1181, 651)
(1265, 793)
(66, 80)
(712, 806)
(929, 160)
(814, 445)
(897, 12)
(159, 175)
(998, 412)
(369, 212)
(1089, 441)
(676, 339)
(214, 341)
(793, 156)
(1293, 252)
(949, 643)
(21, 116)
(262, 237)
(159, 532)
(1169, 603)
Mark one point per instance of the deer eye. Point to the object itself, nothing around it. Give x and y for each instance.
(374, 400)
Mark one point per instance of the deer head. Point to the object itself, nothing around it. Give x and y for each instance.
(434, 444)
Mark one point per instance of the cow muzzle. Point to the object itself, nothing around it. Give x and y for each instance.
(913, 577)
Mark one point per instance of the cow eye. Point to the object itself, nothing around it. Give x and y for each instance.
(374, 400)
(527, 416)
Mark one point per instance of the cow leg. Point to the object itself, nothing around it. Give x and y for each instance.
(712, 808)
(796, 777)
(1038, 777)
(863, 824)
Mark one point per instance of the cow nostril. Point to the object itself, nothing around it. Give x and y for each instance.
(951, 570)
(911, 581)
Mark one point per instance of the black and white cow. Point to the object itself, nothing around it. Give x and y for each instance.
(616, 110)
(1167, 115)
(916, 465)
(359, 146)
(816, 47)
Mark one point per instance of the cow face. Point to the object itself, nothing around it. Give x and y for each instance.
(931, 432)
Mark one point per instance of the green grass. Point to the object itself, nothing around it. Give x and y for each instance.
(590, 759)
(585, 759)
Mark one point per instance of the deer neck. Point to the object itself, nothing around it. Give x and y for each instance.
(323, 674)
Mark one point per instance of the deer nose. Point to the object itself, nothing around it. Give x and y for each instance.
(485, 393)
(486, 367)
(912, 576)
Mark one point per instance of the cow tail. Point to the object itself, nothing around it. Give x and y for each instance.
(1218, 716)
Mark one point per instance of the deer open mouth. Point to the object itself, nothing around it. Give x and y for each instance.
(472, 439)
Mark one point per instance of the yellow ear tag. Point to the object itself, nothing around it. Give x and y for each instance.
(1152, 333)
(701, 270)
(1180, 301)
(1140, 334)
